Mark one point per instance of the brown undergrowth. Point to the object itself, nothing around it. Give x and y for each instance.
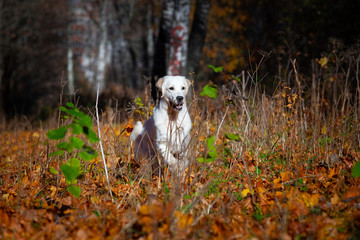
(282, 169)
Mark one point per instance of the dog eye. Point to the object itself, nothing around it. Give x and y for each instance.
(183, 88)
(171, 88)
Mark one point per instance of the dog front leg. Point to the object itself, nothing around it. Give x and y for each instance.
(168, 157)
(174, 163)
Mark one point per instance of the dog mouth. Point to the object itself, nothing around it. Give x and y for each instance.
(177, 106)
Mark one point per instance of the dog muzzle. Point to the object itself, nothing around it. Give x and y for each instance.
(179, 103)
(177, 107)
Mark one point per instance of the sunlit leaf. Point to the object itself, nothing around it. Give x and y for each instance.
(74, 190)
(92, 136)
(232, 136)
(323, 61)
(57, 153)
(70, 105)
(76, 142)
(88, 153)
(209, 91)
(212, 153)
(53, 170)
(245, 192)
(57, 134)
(216, 69)
(236, 78)
(85, 121)
(63, 146)
(210, 142)
(76, 128)
(71, 170)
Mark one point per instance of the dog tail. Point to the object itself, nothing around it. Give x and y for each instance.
(138, 129)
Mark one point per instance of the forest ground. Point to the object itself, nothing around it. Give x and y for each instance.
(260, 168)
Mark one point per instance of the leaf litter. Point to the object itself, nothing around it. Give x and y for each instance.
(235, 196)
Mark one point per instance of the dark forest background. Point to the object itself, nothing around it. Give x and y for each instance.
(52, 50)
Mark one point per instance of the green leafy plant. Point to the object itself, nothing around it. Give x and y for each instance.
(212, 153)
(138, 102)
(210, 91)
(76, 149)
(216, 69)
(232, 136)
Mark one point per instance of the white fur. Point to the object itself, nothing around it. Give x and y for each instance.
(167, 132)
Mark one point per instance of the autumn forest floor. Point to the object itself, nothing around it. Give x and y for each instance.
(262, 167)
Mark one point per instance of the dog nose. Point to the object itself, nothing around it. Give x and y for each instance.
(179, 98)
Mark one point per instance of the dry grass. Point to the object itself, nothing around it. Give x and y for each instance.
(280, 180)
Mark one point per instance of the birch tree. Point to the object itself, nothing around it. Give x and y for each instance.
(70, 60)
(175, 53)
(171, 47)
(101, 60)
(179, 35)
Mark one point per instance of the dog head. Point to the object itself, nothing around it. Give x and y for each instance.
(174, 90)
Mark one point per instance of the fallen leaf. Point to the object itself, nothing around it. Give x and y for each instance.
(245, 192)
(335, 199)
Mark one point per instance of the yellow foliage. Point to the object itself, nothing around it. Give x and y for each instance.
(323, 62)
(245, 192)
(310, 199)
(184, 220)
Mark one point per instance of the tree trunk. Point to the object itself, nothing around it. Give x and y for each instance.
(70, 60)
(197, 36)
(1, 54)
(101, 59)
(176, 64)
(171, 46)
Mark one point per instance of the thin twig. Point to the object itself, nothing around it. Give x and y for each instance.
(101, 148)
(222, 120)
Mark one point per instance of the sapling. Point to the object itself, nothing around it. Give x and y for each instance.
(74, 148)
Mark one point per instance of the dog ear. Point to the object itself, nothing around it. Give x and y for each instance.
(159, 84)
(188, 84)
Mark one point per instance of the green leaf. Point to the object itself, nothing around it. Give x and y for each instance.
(356, 170)
(88, 153)
(74, 162)
(64, 109)
(75, 113)
(74, 190)
(210, 142)
(216, 69)
(209, 91)
(57, 153)
(85, 121)
(76, 128)
(96, 213)
(76, 142)
(92, 136)
(63, 146)
(70, 105)
(53, 170)
(212, 153)
(138, 102)
(71, 170)
(236, 78)
(57, 134)
(232, 136)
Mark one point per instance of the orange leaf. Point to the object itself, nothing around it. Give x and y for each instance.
(183, 219)
(335, 199)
